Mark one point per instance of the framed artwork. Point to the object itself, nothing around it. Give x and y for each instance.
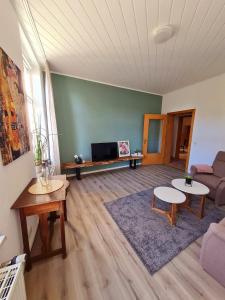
(123, 148)
(14, 139)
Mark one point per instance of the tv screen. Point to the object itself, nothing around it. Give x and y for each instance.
(104, 151)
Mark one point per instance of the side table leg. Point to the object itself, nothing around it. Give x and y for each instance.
(153, 201)
(44, 233)
(65, 210)
(62, 228)
(187, 201)
(173, 213)
(131, 166)
(202, 207)
(26, 246)
(78, 173)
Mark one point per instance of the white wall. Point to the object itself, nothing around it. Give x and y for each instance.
(15, 176)
(208, 97)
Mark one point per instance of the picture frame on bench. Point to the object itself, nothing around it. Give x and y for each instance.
(123, 148)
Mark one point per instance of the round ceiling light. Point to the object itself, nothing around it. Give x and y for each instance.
(163, 33)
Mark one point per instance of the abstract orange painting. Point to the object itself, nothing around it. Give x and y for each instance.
(14, 139)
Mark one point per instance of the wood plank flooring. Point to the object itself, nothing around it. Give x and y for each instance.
(101, 264)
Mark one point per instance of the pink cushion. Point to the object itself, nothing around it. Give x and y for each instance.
(204, 169)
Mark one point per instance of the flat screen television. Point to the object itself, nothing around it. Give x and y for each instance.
(104, 151)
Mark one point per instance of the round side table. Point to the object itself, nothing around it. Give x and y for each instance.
(197, 188)
(169, 195)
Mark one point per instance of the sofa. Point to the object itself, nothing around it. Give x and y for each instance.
(213, 177)
(212, 257)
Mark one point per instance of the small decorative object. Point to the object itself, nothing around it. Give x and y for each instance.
(44, 178)
(78, 159)
(40, 153)
(188, 180)
(137, 153)
(51, 168)
(38, 148)
(39, 189)
(40, 142)
(123, 148)
(43, 164)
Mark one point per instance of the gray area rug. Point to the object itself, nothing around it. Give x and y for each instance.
(155, 241)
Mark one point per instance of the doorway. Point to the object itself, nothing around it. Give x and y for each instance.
(179, 138)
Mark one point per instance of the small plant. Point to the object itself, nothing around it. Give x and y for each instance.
(188, 176)
(188, 180)
(38, 150)
(40, 146)
(40, 142)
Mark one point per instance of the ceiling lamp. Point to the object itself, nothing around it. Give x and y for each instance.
(162, 33)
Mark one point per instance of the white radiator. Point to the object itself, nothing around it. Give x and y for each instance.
(12, 286)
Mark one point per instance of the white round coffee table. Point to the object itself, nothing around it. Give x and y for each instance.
(196, 188)
(169, 195)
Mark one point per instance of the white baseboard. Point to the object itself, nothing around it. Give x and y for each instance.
(102, 170)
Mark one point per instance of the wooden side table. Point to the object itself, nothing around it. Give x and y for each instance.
(41, 205)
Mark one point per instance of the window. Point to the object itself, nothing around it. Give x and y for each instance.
(29, 95)
(33, 86)
(40, 102)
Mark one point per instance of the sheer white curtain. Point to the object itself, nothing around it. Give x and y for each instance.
(34, 91)
(41, 94)
(41, 110)
(51, 123)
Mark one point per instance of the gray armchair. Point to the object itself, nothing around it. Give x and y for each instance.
(215, 181)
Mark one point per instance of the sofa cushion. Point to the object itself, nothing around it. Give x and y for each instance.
(211, 181)
(202, 168)
(219, 164)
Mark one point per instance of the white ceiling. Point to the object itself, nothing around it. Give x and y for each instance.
(111, 40)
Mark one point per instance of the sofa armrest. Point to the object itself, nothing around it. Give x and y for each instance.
(222, 179)
(218, 230)
(215, 232)
(212, 257)
(201, 169)
(220, 193)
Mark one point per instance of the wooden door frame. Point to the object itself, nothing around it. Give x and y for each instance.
(179, 135)
(155, 157)
(169, 134)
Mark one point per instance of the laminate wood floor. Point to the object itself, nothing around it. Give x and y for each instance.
(101, 264)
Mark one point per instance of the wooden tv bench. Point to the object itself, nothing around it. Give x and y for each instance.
(77, 167)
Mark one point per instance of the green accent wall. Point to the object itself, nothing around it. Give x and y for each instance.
(89, 112)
